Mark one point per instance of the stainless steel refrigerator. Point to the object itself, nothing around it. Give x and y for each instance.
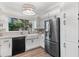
(52, 37)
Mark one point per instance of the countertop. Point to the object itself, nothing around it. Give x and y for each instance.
(26, 35)
(2, 37)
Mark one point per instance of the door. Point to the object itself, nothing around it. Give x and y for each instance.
(50, 30)
(47, 46)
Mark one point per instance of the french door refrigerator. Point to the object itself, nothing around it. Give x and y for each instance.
(52, 37)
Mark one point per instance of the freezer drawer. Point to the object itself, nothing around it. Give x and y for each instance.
(52, 48)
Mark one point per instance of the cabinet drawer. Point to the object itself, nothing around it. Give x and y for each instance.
(3, 41)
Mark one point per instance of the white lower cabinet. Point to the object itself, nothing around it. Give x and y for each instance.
(42, 39)
(69, 49)
(32, 43)
(6, 47)
(63, 50)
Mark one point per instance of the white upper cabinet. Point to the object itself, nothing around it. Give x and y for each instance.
(40, 24)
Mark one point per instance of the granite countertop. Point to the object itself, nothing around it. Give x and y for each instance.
(11, 36)
(26, 35)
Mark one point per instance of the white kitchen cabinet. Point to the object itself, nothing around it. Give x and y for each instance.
(63, 50)
(69, 23)
(40, 24)
(32, 43)
(71, 49)
(36, 43)
(69, 31)
(42, 40)
(0, 50)
(71, 27)
(6, 47)
(28, 44)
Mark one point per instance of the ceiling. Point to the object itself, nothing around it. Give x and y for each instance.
(15, 8)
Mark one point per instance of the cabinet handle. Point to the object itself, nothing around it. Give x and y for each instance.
(65, 45)
(32, 40)
(6, 41)
(9, 45)
(64, 22)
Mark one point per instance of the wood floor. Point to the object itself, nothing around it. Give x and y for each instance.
(38, 52)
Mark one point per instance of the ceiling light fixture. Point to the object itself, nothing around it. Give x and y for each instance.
(28, 9)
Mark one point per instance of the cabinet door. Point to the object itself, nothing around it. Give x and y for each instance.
(62, 35)
(71, 49)
(42, 40)
(0, 50)
(31, 43)
(72, 25)
(36, 43)
(63, 50)
(69, 30)
(28, 44)
(6, 48)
